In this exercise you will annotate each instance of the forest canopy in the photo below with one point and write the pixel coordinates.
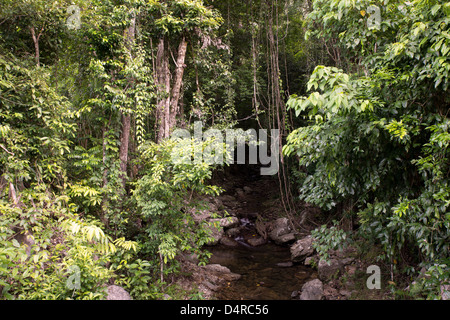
(91, 91)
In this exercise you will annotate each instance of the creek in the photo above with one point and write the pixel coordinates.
(267, 272)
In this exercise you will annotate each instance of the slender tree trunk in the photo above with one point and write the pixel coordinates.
(12, 194)
(176, 91)
(163, 89)
(124, 143)
(126, 118)
(103, 216)
(36, 44)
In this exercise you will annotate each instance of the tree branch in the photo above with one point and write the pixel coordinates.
(6, 150)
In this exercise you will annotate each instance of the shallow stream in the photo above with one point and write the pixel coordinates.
(267, 272)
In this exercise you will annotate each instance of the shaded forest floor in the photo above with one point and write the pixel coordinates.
(251, 198)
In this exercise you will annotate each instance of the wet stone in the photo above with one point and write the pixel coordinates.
(287, 264)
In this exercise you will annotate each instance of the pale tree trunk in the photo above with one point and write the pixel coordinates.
(104, 210)
(168, 95)
(124, 142)
(12, 194)
(163, 89)
(36, 44)
(12, 189)
(176, 91)
(126, 118)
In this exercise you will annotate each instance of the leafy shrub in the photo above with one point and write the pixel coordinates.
(167, 197)
(377, 137)
(330, 238)
(63, 247)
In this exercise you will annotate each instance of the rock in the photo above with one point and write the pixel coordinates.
(223, 272)
(228, 222)
(310, 261)
(312, 290)
(217, 228)
(347, 261)
(330, 293)
(227, 198)
(345, 293)
(445, 292)
(212, 207)
(247, 189)
(240, 193)
(201, 216)
(295, 294)
(256, 241)
(285, 238)
(211, 286)
(191, 257)
(228, 242)
(206, 279)
(281, 231)
(217, 268)
(218, 203)
(329, 270)
(216, 234)
(287, 264)
(117, 293)
(342, 253)
(233, 232)
(302, 249)
(350, 270)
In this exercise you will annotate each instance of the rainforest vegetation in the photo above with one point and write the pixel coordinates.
(91, 90)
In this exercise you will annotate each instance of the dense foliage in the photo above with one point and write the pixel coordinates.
(87, 199)
(90, 91)
(377, 141)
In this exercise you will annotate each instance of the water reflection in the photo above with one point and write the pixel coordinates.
(266, 272)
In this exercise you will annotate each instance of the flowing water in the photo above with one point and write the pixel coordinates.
(266, 272)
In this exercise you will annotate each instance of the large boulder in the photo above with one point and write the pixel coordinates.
(216, 233)
(228, 222)
(312, 290)
(201, 216)
(302, 249)
(281, 231)
(221, 272)
(218, 226)
(254, 242)
(329, 270)
(117, 293)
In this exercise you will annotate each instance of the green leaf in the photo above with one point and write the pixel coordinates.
(15, 243)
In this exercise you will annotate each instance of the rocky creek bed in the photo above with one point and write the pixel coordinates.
(258, 255)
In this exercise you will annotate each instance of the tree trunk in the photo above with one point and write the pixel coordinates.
(12, 194)
(124, 142)
(104, 211)
(129, 35)
(163, 90)
(179, 71)
(36, 44)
